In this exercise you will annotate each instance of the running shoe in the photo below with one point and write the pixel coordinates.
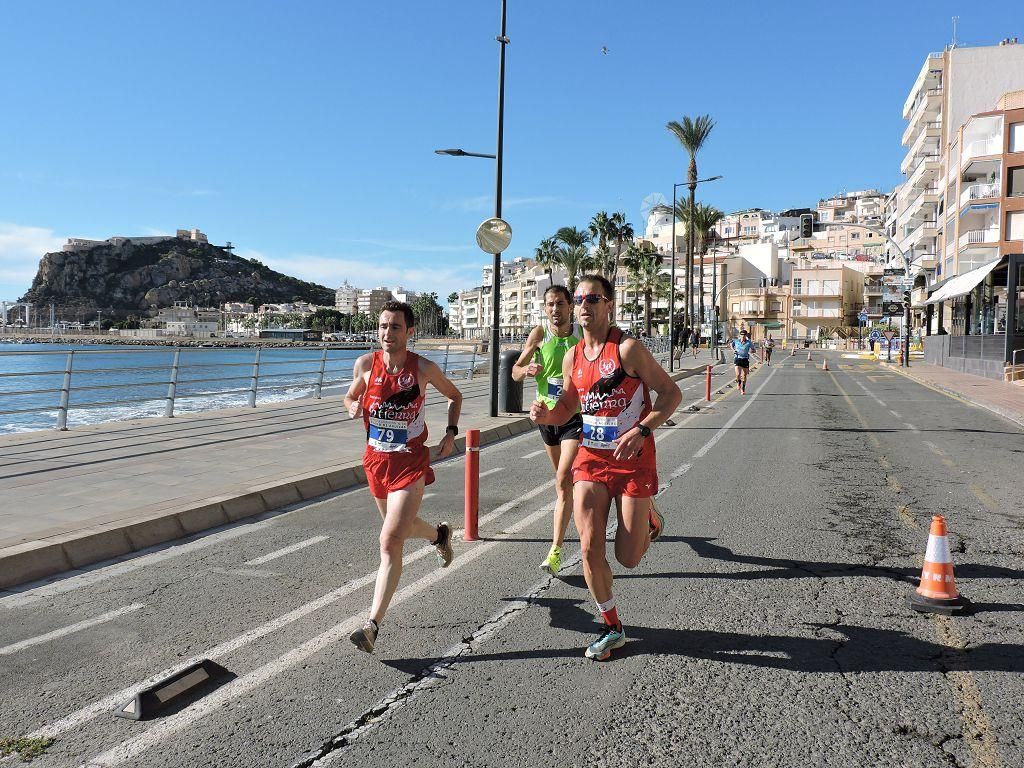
(610, 639)
(657, 521)
(553, 562)
(365, 637)
(443, 543)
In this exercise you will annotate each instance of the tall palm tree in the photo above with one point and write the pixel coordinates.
(691, 133)
(701, 221)
(546, 255)
(645, 276)
(573, 254)
(623, 232)
(599, 228)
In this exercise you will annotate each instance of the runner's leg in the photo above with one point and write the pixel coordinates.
(590, 511)
(633, 536)
(563, 481)
(401, 522)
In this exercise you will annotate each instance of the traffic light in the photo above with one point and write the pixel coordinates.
(906, 299)
(806, 225)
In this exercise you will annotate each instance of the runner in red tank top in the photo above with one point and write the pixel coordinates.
(388, 389)
(611, 378)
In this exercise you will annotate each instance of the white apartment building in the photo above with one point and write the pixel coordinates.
(346, 298)
(952, 213)
(521, 290)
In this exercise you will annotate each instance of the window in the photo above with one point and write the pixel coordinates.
(798, 285)
(1015, 224)
(1017, 137)
(1016, 188)
(855, 236)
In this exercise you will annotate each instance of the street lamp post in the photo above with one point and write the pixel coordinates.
(496, 263)
(672, 288)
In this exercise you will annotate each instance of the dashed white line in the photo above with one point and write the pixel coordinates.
(109, 616)
(492, 471)
(286, 550)
(894, 413)
(531, 454)
(735, 417)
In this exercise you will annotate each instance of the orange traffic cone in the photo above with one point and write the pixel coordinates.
(937, 593)
(824, 365)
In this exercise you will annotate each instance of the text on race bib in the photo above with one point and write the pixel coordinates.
(388, 435)
(600, 431)
(555, 387)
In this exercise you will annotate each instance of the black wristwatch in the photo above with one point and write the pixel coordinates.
(645, 431)
(453, 429)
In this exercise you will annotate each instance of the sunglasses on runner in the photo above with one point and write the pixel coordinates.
(590, 298)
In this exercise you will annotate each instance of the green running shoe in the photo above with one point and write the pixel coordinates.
(553, 562)
(610, 639)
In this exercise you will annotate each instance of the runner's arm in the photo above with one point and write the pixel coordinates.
(436, 378)
(638, 361)
(354, 396)
(525, 366)
(567, 404)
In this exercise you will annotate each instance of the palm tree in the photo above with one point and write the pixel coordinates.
(645, 277)
(600, 228)
(701, 221)
(546, 255)
(573, 254)
(692, 133)
(604, 262)
(622, 231)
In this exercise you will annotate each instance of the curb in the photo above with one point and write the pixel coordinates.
(34, 560)
(1016, 418)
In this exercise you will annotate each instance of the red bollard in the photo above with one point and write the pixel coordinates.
(472, 513)
(707, 384)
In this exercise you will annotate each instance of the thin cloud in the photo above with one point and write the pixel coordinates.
(410, 245)
(21, 249)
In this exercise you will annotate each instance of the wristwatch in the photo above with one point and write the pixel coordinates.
(453, 429)
(645, 431)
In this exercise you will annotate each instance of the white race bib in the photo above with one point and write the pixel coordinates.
(388, 436)
(555, 387)
(600, 431)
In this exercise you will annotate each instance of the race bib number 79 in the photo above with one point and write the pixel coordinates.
(388, 436)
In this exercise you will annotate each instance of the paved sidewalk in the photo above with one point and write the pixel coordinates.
(95, 493)
(1002, 398)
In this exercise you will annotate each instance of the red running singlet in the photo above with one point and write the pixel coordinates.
(396, 453)
(612, 403)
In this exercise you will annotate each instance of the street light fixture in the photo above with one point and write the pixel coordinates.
(497, 157)
(672, 289)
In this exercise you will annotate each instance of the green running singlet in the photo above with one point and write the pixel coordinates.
(549, 354)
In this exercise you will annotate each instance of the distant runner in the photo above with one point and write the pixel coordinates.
(388, 389)
(609, 377)
(741, 349)
(695, 341)
(542, 358)
(768, 345)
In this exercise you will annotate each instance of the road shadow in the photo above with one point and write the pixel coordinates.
(780, 568)
(849, 649)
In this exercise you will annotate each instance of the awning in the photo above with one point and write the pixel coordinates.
(977, 207)
(963, 284)
(771, 324)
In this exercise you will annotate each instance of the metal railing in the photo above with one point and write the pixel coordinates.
(979, 192)
(975, 236)
(177, 380)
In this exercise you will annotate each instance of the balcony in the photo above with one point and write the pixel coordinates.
(979, 192)
(917, 208)
(923, 174)
(986, 147)
(927, 143)
(926, 230)
(912, 132)
(988, 236)
(928, 104)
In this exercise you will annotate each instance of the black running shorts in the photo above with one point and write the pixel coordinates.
(742, 362)
(553, 435)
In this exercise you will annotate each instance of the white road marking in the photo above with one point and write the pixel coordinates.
(911, 427)
(286, 550)
(429, 495)
(109, 616)
(129, 750)
(492, 471)
(531, 454)
(894, 413)
(728, 425)
(143, 558)
(871, 394)
(107, 703)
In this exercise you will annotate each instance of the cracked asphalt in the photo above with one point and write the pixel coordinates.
(768, 626)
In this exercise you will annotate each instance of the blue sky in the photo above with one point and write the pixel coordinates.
(304, 132)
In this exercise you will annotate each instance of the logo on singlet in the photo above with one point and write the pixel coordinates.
(406, 380)
(606, 367)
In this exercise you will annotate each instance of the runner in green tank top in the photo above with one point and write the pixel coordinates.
(542, 359)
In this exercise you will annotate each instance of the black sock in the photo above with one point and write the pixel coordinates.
(442, 536)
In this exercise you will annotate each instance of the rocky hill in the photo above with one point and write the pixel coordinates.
(132, 278)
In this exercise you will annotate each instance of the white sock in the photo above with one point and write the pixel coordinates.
(606, 606)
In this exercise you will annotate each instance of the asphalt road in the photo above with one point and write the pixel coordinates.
(769, 626)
